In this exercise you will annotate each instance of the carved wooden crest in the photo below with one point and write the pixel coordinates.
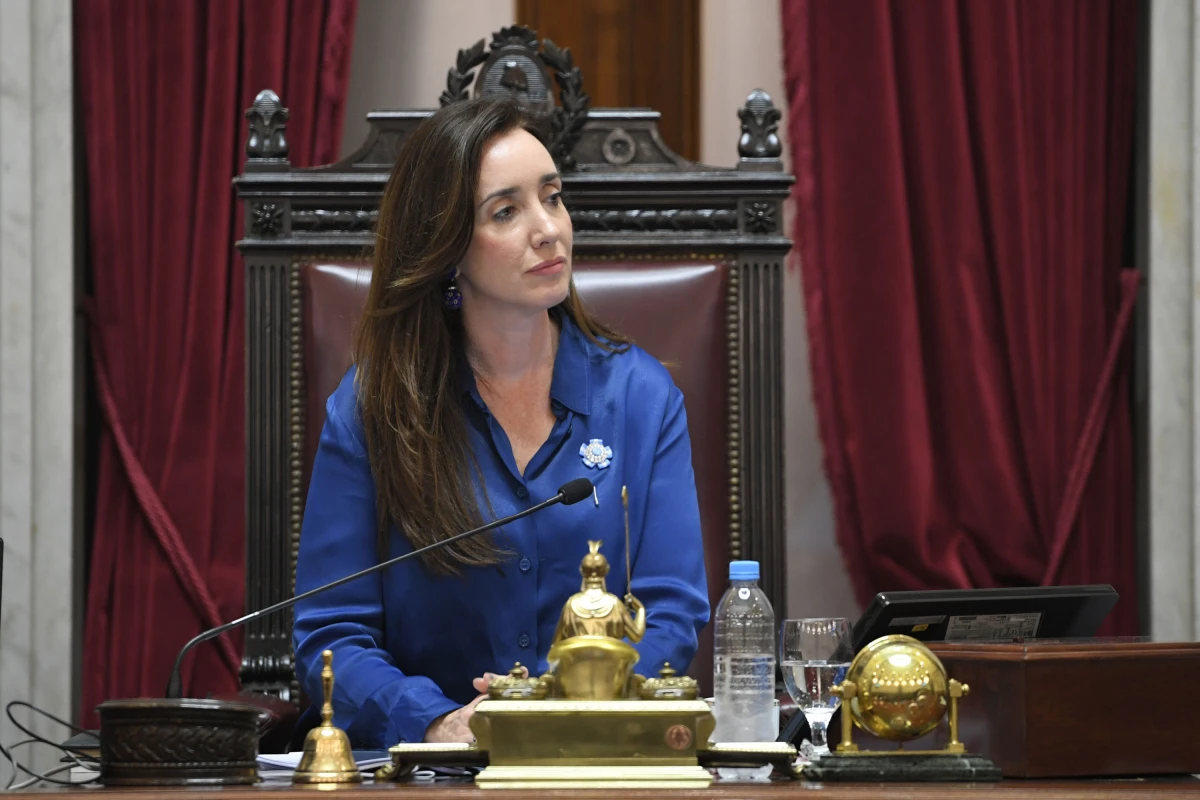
(516, 65)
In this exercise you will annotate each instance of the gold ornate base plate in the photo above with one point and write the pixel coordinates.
(578, 743)
(567, 777)
(567, 744)
(407, 757)
(587, 733)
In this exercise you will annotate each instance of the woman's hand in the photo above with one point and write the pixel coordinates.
(453, 726)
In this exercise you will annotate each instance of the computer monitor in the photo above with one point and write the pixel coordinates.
(991, 615)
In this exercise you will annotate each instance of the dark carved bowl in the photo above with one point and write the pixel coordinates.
(186, 742)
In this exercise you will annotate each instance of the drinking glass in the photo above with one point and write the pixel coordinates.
(814, 655)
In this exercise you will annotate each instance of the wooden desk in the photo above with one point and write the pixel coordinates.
(1049, 710)
(1158, 789)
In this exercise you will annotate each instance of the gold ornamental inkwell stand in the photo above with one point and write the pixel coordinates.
(590, 721)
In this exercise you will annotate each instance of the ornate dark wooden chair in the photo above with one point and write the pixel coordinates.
(685, 258)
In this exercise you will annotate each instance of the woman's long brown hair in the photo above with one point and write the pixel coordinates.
(405, 345)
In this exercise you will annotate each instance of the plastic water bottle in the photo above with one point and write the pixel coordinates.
(744, 666)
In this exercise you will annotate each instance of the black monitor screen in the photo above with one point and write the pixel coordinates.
(993, 615)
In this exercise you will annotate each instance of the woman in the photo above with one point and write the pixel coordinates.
(480, 385)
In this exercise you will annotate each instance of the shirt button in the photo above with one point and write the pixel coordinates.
(522, 493)
(524, 565)
(524, 640)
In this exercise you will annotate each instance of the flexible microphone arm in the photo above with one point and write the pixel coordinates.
(569, 493)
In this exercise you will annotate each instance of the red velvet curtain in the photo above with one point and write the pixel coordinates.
(163, 87)
(962, 192)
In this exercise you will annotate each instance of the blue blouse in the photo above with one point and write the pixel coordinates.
(407, 643)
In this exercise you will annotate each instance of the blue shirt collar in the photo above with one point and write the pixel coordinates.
(570, 384)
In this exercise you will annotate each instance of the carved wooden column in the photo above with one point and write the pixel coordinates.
(760, 523)
(274, 414)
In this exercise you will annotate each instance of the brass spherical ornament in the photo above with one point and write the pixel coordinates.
(901, 688)
(897, 689)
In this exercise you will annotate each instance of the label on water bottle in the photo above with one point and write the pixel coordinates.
(744, 593)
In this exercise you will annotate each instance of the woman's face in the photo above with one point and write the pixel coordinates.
(520, 254)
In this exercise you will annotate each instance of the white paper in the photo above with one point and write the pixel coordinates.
(289, 761)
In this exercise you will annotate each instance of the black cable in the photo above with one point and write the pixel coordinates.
(36, 776)
(32, 781)
(34, 738)
(12, 761)
(47, 714)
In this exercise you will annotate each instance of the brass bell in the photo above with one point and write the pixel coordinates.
(327, 757)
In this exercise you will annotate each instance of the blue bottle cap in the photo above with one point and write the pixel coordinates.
(743, 570)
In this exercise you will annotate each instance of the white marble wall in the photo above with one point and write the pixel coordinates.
(1170, 200)
(403, 49)
(37, 302)
(741, 49)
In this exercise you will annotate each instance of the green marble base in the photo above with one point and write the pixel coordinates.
(901, 766)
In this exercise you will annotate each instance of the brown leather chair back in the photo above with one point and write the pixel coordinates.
(675, 310)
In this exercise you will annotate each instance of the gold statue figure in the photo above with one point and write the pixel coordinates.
(594, 611)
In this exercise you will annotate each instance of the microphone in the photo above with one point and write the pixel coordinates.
(572, 492)
(569, 493)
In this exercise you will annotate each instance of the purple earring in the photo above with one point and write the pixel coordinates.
(452, 297)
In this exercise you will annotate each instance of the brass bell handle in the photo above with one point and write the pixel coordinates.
(327, 687)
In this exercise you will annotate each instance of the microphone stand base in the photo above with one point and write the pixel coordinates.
(179, 742)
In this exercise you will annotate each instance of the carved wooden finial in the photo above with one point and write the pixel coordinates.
(268, 121)
(760, 127)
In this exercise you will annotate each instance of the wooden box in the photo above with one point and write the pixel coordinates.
(1076, 708)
